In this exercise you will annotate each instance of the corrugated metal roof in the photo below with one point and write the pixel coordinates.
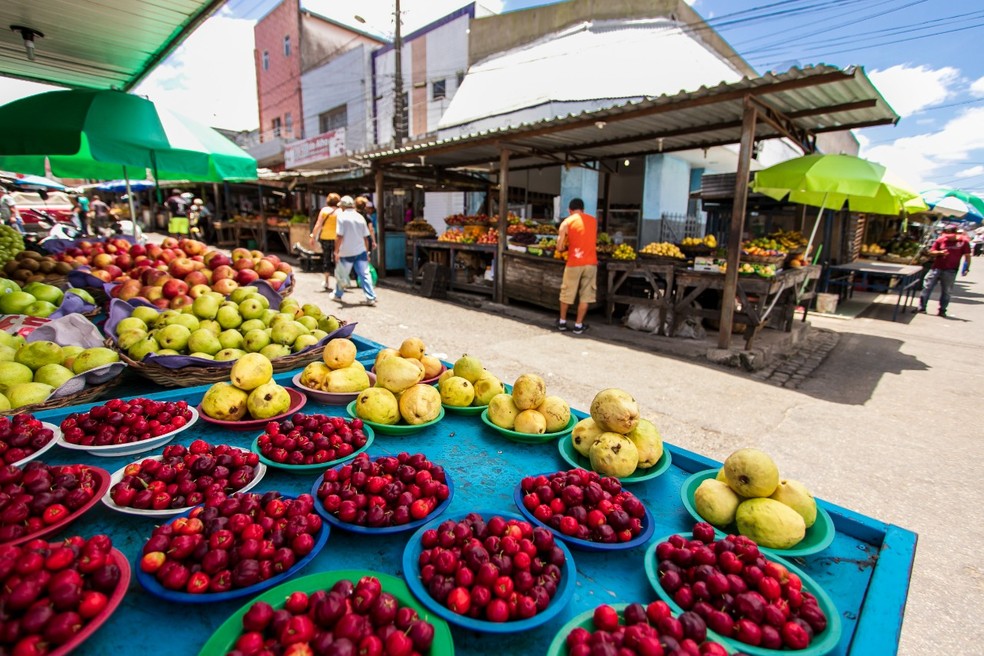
(99, 45)
(816, 99)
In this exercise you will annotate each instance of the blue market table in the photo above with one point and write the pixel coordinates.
(865, 571)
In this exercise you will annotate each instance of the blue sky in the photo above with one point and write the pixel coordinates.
(924, 56)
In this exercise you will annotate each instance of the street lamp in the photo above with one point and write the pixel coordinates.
(399, 110)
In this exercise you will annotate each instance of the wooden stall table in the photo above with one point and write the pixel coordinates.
(657, 275)
(444, 254)
(254, 231)
(282, 232)
(757, 296)
(881, 277)
(537, 279)
(226, 234)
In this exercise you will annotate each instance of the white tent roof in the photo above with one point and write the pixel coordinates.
(585, 67)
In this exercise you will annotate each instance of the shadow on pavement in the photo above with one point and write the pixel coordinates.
(847, 375)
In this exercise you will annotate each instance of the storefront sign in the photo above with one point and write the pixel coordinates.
(316, 149)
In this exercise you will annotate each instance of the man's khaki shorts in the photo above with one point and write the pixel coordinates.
(580, 282)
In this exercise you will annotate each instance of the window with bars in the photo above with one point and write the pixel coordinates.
(276, 126)
(333, 119)
(266, 60)
(288, 125)
(438, 89)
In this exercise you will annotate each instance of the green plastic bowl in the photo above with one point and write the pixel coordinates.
(823, 643)
(575, 459)
(224, 638)
(394, 429)
(528, 438)
(465, 410)
(818, 537)
(317, 466)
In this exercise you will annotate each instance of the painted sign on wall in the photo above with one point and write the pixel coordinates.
(315, 149)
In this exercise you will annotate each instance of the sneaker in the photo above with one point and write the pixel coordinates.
(371, 303)
(578, 329)
(921, 310)
(941, 313)
(561, 325)
(337, 299)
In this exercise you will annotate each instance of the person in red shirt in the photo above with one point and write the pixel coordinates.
(947, 250)
(578, 235)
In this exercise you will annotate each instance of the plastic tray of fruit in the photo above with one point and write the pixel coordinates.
(60, 495)
(818, 537)
(297, 401)
(575, 459)
(281, 449)
(23, 439)
(528, 438)
(549, 500)
(745, 592)
(87, 580)
(381, 481)
(319, 605)
(395, 429)
(120, 426)
(139, 494)
(329, 398)
(480, 604)
(650, 629)
(243, 561)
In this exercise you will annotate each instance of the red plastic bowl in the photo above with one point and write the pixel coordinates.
(115, 600)
(98, 493)
(297, 401)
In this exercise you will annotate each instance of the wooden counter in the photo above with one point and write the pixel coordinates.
(536, 279)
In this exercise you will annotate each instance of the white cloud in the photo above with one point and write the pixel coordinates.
(923, 159)
(972, 172)
(11, 89)
(909, 89)
(210, 77)
(977, 87)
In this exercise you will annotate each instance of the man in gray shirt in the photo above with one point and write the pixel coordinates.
(351, 250)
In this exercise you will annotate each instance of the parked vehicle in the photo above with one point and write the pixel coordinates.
(32, 204)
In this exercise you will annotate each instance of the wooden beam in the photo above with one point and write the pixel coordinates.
(380, 226)
(806, 140)
(500, 261)
(749, 119)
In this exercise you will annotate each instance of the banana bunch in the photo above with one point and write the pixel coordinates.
(624, 252)
(663, 249)
(873, 250)
(790, 240)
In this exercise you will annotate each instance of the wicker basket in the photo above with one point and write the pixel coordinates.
(191, 375)
(289, 289)
(420, 234)
(899, 259)
(696, 250)
(85, 396)
(660, 259)
(763, 259)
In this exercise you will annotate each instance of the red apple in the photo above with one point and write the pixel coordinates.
(276, 284)
(283, 266)
(265, 268)
(102, 260)
(222, 272)
(111, 248)
(154, 251)
(123, 244)
(113, 271)
(124, 261)
(101, 274)
(180, 267)
(240, 253)
(246, 276)
(181, 301)
(169, 242)
(162, 303)
(192, 246)
(279, 275)
(151, 292)
(128, 290)
(225, 286)
(243, 263)
(273, 258)
(138, 249)
(195, 278)
(168, 255)
(217, 259)
(174, 288)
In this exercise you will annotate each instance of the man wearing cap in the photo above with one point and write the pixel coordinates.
(947, 250)
(352, 250)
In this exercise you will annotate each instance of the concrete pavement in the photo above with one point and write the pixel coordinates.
(887, 423)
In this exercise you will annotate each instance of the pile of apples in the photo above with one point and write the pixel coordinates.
(174, 273)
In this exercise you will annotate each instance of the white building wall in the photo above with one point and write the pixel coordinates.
(345, 80)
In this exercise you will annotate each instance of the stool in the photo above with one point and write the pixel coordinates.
(308, 259)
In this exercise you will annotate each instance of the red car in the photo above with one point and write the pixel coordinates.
(57, 205)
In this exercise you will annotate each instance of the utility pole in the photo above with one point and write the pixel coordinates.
(399, 111)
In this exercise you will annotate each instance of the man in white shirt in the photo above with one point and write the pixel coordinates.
(352, 250)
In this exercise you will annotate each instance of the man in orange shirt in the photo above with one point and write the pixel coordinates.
(578, 235)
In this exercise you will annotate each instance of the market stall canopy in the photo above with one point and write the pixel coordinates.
(954, 203)
(99, 134)
(97, 45)
(811, 100)
(26, 181)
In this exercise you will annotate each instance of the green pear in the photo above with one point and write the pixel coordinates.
(328, 324)
(302, 342)
(205, 306)
(285, 332)
(255, 340)
(13, 373)
(268, 316)
(210, 325)
(83, 294)
(37, 354)
(23, 394)
(584, 435)
(240, 294)
(229, 354)
(142, 349)
(251, 324)
(131, 323)
(204, 341)
(6, 353)
(468, 367)
(224, 402)
(772, 524)
(274, 351)
(312, 310)
(795, 495)
(165, 318)
(54, 375)
(486, 387)
(167, 351)
(281, 317)
(251, 371)
(229, 317)
(40, 309)
(71, 352)
(4, 403)
(43, 292)
(128, 338)
(319, 334)
(15, 302)
(251, 308)
(716, 502)
(92, 358)
(231, 338)
(174, 337)
(145, 314)
(457, 392)
(203, 356)
(13, 341)
(308, 322)
(751, 473)
(189, 321)
(378, 405)
(268, 400)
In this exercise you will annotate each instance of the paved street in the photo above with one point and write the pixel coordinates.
(887, 424)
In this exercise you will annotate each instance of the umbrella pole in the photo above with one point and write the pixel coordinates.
(129, 199)
(813, 234)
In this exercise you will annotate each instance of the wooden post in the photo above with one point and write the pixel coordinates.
(608, 204)
(737, 224)
(500, 260)
(380, 226)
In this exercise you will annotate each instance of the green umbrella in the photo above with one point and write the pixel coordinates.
(98, 134)
(830, 181)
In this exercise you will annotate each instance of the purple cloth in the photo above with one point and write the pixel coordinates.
(119, 310)
(72, 304)
(76, 330)
(62, 245)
